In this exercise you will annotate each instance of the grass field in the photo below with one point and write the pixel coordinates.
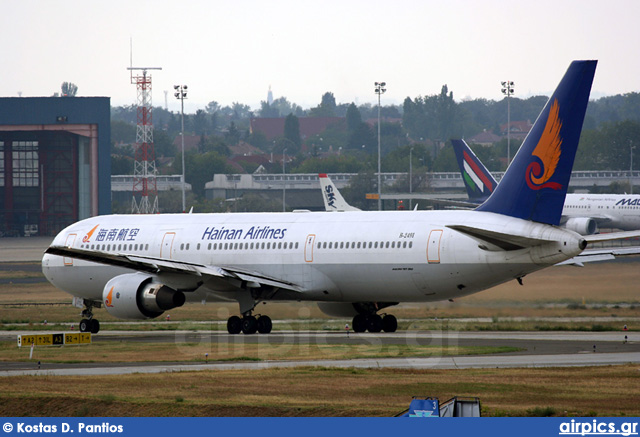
(103, 352)
(592, 391)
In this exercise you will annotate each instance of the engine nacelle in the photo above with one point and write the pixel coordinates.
(582, 225)
(136, 296)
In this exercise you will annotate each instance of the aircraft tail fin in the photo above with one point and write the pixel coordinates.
(333, 200)
(535, 184)
(478, 181)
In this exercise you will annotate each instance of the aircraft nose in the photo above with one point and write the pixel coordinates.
(46, 266)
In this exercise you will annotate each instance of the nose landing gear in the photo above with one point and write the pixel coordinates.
(88, 323)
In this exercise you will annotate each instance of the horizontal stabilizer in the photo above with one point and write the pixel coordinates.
(499, 239)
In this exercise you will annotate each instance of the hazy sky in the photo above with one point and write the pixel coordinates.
(233, 50)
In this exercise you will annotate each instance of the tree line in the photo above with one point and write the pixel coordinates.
(421, 128)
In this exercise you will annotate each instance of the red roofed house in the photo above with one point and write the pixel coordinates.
(274, 127)
(517, 129)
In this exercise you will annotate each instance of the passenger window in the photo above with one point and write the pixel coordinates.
(358, 245)
(342, 245)
(198, 247)
(187, 247)
(393, 244)
(387, 246)
(410, 244)
(226, 246)
(209, 246)
(279, 245)
(296, 245)
(376, 245)
(353, 244)
(269, 245)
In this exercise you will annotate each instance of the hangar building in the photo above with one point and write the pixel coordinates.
(55, 162)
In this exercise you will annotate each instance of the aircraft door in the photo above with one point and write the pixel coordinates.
(308, 248)
(433, 246)
(167, 245)
(71, 239)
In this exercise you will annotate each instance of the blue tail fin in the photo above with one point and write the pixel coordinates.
(477, 179)
(535, 184)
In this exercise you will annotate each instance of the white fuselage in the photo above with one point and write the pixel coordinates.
(620, 211)
(388, 256)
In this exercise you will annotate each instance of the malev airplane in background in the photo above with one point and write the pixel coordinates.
(583, 213)
(353, 263)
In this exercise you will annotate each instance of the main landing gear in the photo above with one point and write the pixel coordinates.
(374, 323)
(249, 324)
(88, 323)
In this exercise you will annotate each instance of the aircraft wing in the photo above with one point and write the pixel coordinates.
(610, 236)
(161, 266)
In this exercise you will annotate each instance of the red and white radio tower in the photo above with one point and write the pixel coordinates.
(145, 191)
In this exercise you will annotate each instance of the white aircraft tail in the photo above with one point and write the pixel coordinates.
(333, 200)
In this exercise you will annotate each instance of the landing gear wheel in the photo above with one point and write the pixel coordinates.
(249, 325)
(264, 324)
(374, 323)
(359, 323)
(234, 325)
(389, 323)
(94, 326)
(84, 325)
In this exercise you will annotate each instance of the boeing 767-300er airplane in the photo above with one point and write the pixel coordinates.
(353, 263)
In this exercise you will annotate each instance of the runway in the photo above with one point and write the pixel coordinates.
(538, 349)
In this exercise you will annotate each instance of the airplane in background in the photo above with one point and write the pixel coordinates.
(582, 213)
(353, 264)
(333, 200)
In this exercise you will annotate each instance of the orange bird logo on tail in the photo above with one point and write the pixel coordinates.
(548, 151)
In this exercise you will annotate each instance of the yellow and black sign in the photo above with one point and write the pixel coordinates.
(54, 339)
(372, 196)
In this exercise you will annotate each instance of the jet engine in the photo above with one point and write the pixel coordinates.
(582, 225)
(137, 296)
